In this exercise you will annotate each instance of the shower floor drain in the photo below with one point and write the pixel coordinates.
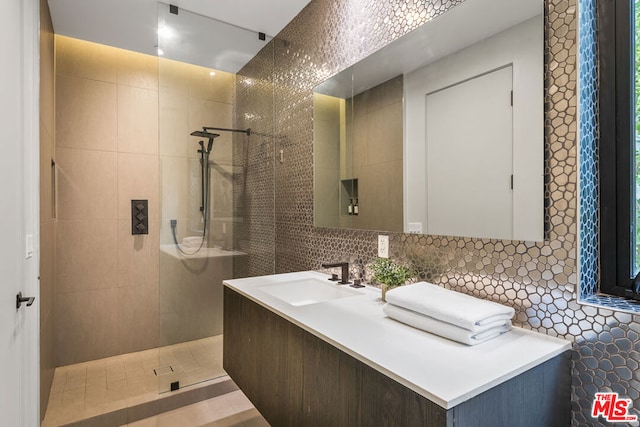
(163, 371)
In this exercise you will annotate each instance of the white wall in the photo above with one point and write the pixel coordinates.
(19, 163)
(521, 46)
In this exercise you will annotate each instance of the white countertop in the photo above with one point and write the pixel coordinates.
(443, 371)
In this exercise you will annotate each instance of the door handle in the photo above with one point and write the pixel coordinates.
(20, 299)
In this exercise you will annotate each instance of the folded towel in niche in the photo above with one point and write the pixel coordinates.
(443, 329)
(449, 306)
(192, 242)
(191, 239)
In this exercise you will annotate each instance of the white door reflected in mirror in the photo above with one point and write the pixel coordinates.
(469, 158)
(459, 157)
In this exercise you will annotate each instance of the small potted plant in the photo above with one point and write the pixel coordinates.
(389, 274)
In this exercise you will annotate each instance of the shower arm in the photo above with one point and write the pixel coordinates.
(247, 131)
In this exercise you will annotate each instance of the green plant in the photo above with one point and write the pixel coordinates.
(387, 272)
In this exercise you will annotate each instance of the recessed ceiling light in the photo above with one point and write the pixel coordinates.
(212, 73)
(165, 32)
(160, 52)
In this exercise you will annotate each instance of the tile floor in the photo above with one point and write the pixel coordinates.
(231, 409)
(92, 388)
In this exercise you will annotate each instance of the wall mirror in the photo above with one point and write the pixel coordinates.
(440, 132)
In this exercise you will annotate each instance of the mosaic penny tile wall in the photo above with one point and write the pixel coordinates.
(253, 158)
(540, 280)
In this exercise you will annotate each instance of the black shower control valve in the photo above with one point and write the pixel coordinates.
(139, 217)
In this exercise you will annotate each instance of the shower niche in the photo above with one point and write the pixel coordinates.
(349, 204)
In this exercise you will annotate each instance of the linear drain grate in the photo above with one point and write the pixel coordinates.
(163, 371)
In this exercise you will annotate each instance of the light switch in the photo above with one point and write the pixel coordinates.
(29, 246)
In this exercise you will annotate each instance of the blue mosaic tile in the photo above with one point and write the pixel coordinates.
(588, 151)
(613, 303)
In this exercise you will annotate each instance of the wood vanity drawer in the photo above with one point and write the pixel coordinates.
(295, 378)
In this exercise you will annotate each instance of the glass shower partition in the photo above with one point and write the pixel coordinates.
(198, 220)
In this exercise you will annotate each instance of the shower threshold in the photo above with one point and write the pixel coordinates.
(129, 387)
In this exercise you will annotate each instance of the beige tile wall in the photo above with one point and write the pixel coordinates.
(372, 154)
(191, 287)
(106, 134)
(376, 157)
(191, 296)
(122, 130)
(190, 98)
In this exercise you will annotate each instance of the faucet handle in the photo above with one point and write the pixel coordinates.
(344, 279)
(357, 283)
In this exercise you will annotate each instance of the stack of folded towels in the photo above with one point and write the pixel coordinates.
(446, 313)
(193, 242)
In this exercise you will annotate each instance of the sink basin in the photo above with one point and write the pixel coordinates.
(308, 291)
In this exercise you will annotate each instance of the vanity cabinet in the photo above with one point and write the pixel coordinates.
(295, 378)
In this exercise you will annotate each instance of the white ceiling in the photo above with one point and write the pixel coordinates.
(132, 25)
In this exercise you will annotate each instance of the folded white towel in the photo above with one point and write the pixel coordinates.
(449, 306)
(192, 242)
(444, 329)
(191, 239)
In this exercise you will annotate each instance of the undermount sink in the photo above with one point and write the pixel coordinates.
(308, 291)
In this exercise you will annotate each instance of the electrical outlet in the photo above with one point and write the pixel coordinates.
(415, 227)
(383, 246)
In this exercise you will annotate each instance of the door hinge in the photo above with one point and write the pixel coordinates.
(512, 181)
(512, 98)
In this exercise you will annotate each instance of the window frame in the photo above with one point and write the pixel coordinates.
(616, 145)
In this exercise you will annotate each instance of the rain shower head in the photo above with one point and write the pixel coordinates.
(205, 134)
(210, 136)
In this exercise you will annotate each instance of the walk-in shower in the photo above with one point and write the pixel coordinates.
(143, 351)
(205, 183)
(197, 250)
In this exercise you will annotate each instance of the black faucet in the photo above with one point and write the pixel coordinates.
(344, 280)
